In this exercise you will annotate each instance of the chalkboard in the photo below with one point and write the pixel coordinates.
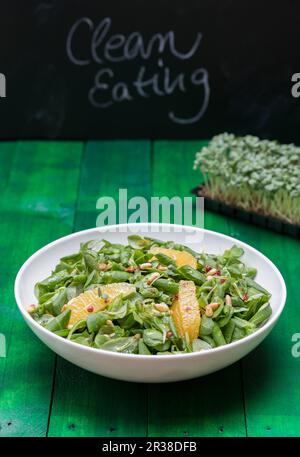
(149, 69)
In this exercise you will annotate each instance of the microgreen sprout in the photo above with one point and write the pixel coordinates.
(253, 174)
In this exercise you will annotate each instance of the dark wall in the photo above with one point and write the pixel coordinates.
(161, 69)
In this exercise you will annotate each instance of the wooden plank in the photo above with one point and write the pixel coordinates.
(7, 154)
(108, 167)
(85, 404)
(271, 374)
(37, 207)
(7, 151)
(212, 405)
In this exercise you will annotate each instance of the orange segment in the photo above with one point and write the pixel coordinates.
(79, 305)
(180, 257)
(185, 311)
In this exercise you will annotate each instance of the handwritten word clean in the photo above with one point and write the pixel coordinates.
(98, 46)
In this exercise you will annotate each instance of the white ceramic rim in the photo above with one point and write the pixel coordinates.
(219, 349)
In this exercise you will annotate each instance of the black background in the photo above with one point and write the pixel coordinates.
(250, 49)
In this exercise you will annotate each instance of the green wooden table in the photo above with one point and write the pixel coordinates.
(49, 189)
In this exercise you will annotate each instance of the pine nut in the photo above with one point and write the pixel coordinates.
(228, 300)
(162, 307)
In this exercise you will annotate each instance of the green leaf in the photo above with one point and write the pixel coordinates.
(101, 339)
(261, 315)
(209, 340)
(247, 326)
(79, 326)
(149, 292)
(51, 283)
(73, 291)
(143, 350)
(206, 326)
(167, 286)
(251, 283)
(228, 330)
(154, 339)
(127, 345)
(219, 310)
(93, 278)
(238, 334)
(95, 320)
(218, 335)
(56, 302)
(165, 259)
(82, 338)
(141, 257)
(191, 274)
(226, 316)
(59, 322)
(63, 332)
(118, 308)
(200, 345)
(43, 319)
(234, 252)
(111, 330)
(127, 322)
(109, 277)
(251, 272)
(138, 242)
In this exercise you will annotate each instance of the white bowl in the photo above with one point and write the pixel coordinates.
(139, 368)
